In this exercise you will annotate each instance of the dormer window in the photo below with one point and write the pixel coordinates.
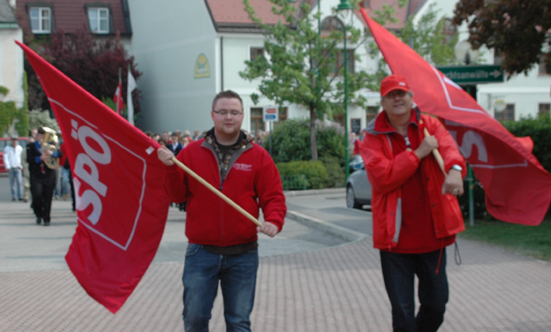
(98, 18)
(41, 19)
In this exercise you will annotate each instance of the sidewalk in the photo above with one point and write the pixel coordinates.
(327, 285)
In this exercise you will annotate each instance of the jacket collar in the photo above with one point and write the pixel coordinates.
(381, 125)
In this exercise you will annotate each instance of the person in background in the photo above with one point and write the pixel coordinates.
(185, 141)
(196, 135)
(66, 176)
(12, 162)
(165, 137)
(415, 212)
(174, 146)
(42, 177)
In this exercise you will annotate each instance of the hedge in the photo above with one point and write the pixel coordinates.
(314, 171)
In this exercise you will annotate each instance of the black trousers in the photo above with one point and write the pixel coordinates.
(399, 271)
(42, 188)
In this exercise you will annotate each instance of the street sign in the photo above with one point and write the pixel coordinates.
(270, 113)
(473, 74)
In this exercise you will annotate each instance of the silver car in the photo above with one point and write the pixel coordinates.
(358, 189)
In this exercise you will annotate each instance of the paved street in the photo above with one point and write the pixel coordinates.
(319, 274)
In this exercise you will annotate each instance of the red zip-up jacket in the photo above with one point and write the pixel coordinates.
(387, 174)
(252, 182)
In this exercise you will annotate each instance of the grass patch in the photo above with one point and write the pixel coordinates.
(533, 241)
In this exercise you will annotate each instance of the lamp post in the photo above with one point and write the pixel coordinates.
(344, 8)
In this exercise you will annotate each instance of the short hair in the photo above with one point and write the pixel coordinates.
(227, 94)
(41, 131)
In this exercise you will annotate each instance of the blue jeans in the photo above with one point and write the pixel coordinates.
(16, 183)
(399, 271)
(237, 276)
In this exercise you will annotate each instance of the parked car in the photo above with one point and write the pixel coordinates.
(355, 163)
(358, 189)
(5, 141)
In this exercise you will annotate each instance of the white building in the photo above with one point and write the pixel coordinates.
(191, 50)
(11, 55)
(523, 95)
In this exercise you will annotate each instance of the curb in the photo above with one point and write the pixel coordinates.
(339, 231)
(315, 192)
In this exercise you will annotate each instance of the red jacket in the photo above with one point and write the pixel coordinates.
(387, 173)
(252, 182)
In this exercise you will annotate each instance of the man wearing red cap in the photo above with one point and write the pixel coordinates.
(415, 211)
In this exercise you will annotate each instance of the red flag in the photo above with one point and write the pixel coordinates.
(118, 98)
(120, 199)
(516, 185)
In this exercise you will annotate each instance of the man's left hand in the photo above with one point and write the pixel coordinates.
(268, 228)
(453, 183)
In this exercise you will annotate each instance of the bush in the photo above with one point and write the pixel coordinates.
(334, 172)
(314, 171)
(290, 141)
(539, 129)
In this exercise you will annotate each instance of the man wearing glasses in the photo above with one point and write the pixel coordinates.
(415, 211)
(223, 243)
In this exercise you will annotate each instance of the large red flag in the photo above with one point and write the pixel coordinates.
(517, 187)
(120, 200)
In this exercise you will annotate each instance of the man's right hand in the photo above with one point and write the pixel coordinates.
(165, 155)
(429, 143)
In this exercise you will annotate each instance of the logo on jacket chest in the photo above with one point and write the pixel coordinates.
(243, 167)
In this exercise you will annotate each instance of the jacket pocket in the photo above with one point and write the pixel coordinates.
(192, 249)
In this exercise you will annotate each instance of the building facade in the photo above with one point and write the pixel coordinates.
(190, 51)
(11, 55)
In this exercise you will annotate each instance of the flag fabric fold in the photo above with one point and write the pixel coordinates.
(131, 87)
(517, 187)
(121, 203)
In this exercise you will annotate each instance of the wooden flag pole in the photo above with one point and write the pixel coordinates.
(216, 191)
(436, 153)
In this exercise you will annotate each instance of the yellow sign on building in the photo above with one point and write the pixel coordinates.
(202, 68)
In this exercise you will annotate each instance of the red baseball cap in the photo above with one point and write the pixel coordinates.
(394, 82)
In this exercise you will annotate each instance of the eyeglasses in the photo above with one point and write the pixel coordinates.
(395, 93)
(225, 112)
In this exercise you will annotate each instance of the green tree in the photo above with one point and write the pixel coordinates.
(91, 63)
(294, 71)
(428, 38)
(519, 30)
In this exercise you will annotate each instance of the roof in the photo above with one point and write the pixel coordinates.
(70, 15)
(7, 16)
(230, 15)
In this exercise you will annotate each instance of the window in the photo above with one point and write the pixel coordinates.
(350, 61)
(99, 20)
(339, 118)
(544, 109)
(506, 115)
(257, 122)
(256, 52)
(449, 31)
(331, 24)
(41, 19)
(498, 58)
(543, 65)
(371, 113)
